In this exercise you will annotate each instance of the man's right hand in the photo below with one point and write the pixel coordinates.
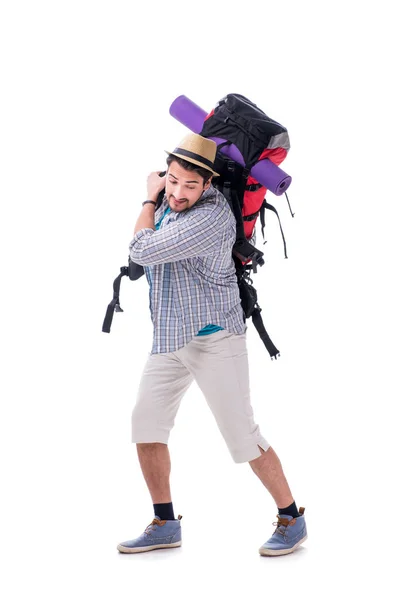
(155, 184)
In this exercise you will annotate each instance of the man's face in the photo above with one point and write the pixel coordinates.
(183, 188)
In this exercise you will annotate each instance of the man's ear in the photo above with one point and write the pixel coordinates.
(207, 184)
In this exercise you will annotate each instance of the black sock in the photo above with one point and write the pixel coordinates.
(289, 510)
(164, 511)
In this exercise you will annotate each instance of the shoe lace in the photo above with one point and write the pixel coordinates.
(151, 527)
(281, 526)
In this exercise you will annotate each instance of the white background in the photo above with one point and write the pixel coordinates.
(86, 89)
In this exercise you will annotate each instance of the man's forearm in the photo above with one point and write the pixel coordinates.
(146, 218)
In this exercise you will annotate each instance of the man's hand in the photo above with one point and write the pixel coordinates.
(155, 184)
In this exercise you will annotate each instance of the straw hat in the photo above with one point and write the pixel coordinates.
(197, 150)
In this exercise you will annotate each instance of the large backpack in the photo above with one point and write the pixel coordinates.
(239, 122)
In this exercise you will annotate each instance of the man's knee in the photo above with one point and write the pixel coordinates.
(149, 445)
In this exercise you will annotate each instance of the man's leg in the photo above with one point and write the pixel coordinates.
(155, 463)
(163, 384)
(219, 363)
(164, 531)
(291, 530)
(227, 390)
(269, 470)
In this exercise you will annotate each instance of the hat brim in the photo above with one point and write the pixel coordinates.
(193, 161)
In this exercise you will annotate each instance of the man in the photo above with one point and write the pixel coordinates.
(186, 249)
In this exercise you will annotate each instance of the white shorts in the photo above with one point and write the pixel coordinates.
(219, 364)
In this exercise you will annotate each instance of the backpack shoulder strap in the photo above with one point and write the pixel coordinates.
(251, 308)
(133, 271)
(259, 325)
(114, 304)
(231, 183)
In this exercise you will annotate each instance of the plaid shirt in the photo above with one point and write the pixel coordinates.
(189, 266)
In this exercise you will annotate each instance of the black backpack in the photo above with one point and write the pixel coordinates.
(242, 123)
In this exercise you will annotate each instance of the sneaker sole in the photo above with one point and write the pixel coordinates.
(126, 550)
(267, 552)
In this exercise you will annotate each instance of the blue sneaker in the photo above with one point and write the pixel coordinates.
(159, 534)
(289, 534)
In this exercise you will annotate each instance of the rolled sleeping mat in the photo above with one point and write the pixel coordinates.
(265, 171)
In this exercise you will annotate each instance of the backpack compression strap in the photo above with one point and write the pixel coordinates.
(253, 187)
(114, 304)
(262, 219)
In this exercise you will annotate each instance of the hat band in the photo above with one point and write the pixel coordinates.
(189, 154)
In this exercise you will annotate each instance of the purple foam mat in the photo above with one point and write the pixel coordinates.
(265, 171)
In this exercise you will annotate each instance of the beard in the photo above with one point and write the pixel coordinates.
(179, 205)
